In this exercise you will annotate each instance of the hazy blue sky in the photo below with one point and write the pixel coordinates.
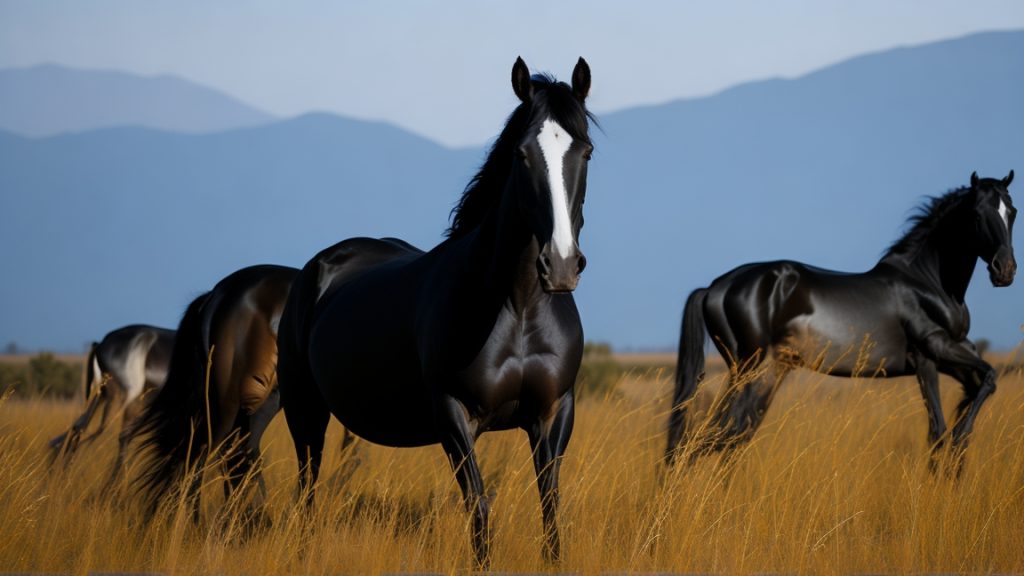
(441, 68)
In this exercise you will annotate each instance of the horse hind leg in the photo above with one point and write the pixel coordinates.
(114, 397)
(723, 336)
(742, 412)
(128, 419)
(306, 414)
(65, 445)
(250, 489)
(351, 458)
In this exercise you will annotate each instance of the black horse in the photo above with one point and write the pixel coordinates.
(481, 333)
(221, 391)
(121, 372)
(904, 316)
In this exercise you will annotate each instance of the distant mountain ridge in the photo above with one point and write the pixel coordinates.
(126, 224)
(823, 168)
(50, 99)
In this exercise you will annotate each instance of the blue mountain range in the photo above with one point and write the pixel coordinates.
(51, 99)
(127, 223)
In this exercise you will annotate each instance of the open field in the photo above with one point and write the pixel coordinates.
(836, 480)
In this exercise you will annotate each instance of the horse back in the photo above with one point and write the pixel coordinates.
(844, 323)
(350, 258)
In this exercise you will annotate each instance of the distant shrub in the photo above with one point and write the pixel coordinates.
(599, 372)
(983, 345)
(43, 375)
(13, 376)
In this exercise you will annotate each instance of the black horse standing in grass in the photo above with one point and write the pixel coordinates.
(411, 348)
(121, 372)
(904, 316)
(230, 334)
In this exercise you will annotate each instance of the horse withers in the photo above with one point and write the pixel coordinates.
(412, 348)
(909, 310)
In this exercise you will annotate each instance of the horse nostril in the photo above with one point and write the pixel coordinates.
(545, 264)
(581, 263)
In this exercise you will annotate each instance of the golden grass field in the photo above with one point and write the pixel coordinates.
(836, 480)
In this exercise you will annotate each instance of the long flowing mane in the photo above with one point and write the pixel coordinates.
(484, 189)
(925, 222)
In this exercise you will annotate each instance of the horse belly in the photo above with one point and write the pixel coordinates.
(385, 413)
(370, 378)
(846, 345)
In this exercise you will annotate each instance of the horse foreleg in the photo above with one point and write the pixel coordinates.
(548, 439)
(977, 377)
(928, 380)
(977, 388)
(458, 440)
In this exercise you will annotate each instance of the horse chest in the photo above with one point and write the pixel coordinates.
(960, 321)
(948, 314)
(519, 371)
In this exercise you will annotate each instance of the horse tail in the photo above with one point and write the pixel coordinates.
(173, 426)
(93, 372)
(689, 368)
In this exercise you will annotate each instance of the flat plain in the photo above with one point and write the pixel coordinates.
(836, 480)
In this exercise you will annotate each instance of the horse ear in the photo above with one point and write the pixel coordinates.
(974, 179)
(1008, 179)
(521, 80)
(581, 79)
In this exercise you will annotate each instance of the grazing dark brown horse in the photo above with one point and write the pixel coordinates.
(121, 372)
(412, 348)
(904, 316)
(231, 332)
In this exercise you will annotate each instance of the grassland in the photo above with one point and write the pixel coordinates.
(836, 480)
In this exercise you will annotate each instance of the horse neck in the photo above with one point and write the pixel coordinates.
(945, 261)
(503, 247)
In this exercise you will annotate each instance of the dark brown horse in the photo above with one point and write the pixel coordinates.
(121, 372)
(230, 333)
(904, 316)
(412, 348)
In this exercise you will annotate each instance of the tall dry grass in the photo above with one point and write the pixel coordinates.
(835, 480)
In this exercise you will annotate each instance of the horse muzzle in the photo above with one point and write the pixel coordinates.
(560, 274)
(1002, 268)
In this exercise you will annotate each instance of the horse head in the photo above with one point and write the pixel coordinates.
(549, 171)
(994, 216)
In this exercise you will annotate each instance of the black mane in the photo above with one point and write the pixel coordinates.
(484, 189)
(930, 215)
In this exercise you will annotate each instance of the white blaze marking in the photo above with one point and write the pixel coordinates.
(554, 142)
(1003, 213)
